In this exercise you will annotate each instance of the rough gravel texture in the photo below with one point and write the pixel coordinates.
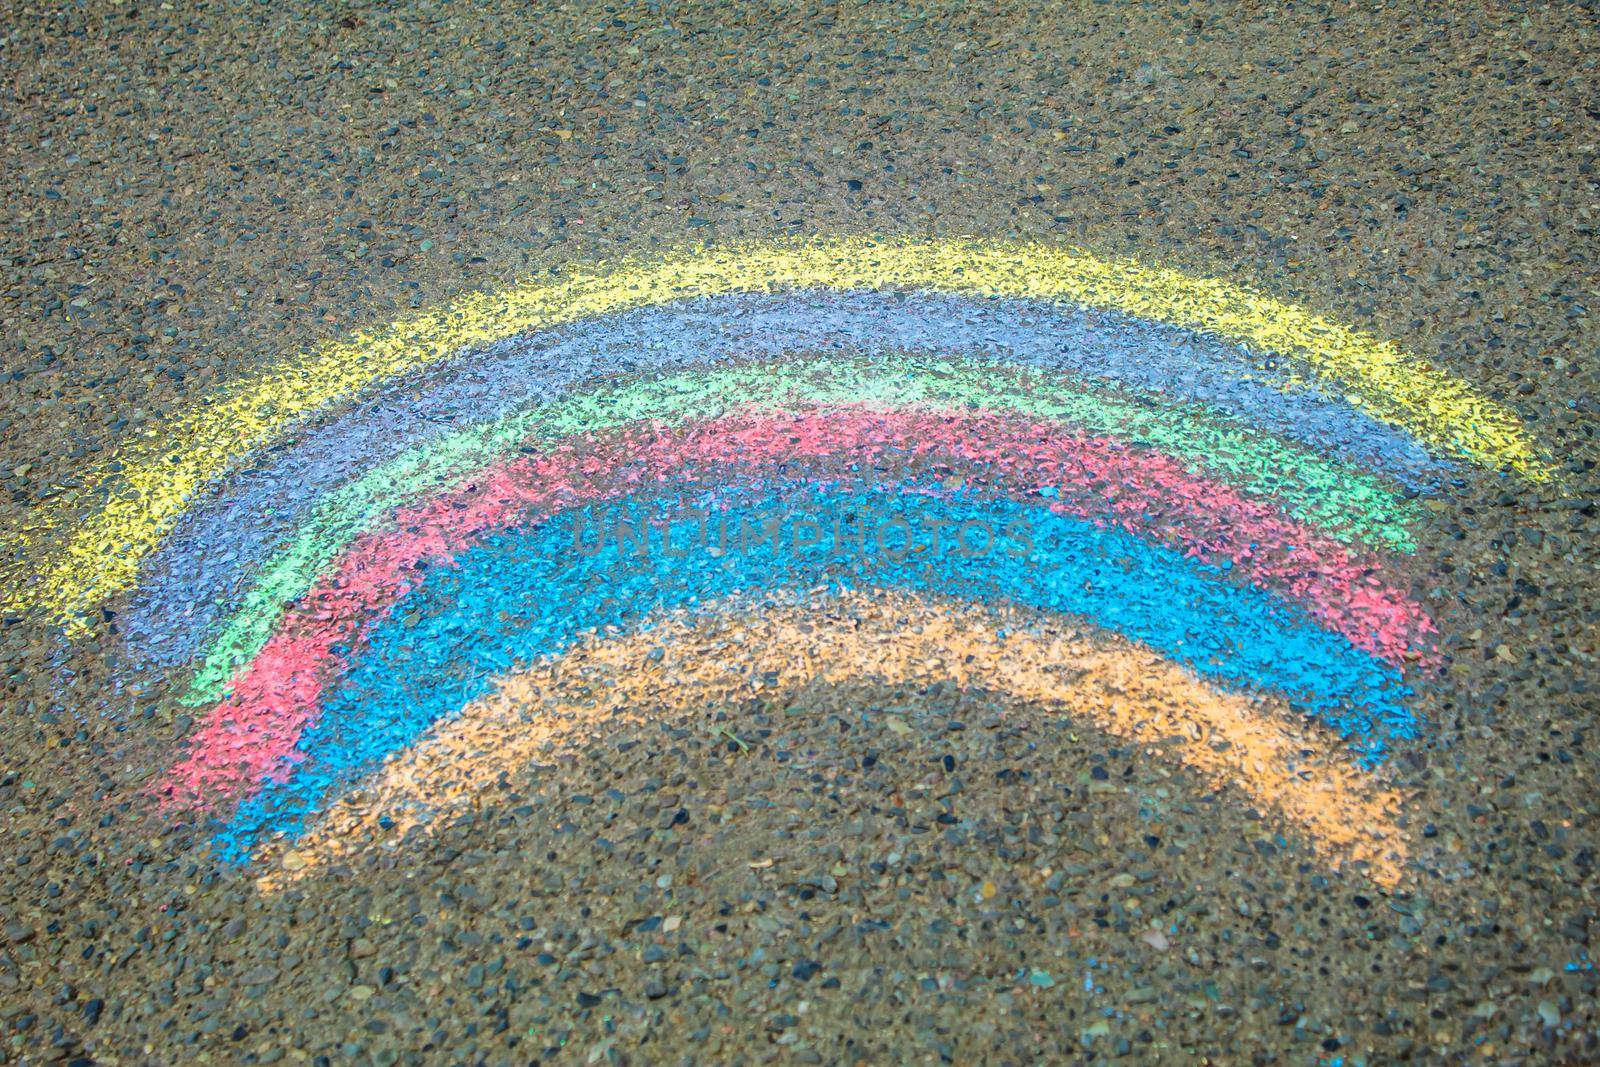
(859, 873)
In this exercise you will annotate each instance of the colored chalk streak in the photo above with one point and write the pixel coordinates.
(151, 483)
(526, 593)
(236, 525)
(679, 667)
(1140, 491)
(1345, 503)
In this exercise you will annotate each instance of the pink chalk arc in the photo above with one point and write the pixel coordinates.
(253, 735)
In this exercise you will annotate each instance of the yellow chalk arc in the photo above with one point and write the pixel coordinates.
(150, 482)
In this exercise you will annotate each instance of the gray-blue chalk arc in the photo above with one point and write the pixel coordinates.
(195, 573)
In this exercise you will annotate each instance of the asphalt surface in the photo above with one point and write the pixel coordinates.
(827, 869)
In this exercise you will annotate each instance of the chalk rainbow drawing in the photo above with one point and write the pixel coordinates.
(1192, 495)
